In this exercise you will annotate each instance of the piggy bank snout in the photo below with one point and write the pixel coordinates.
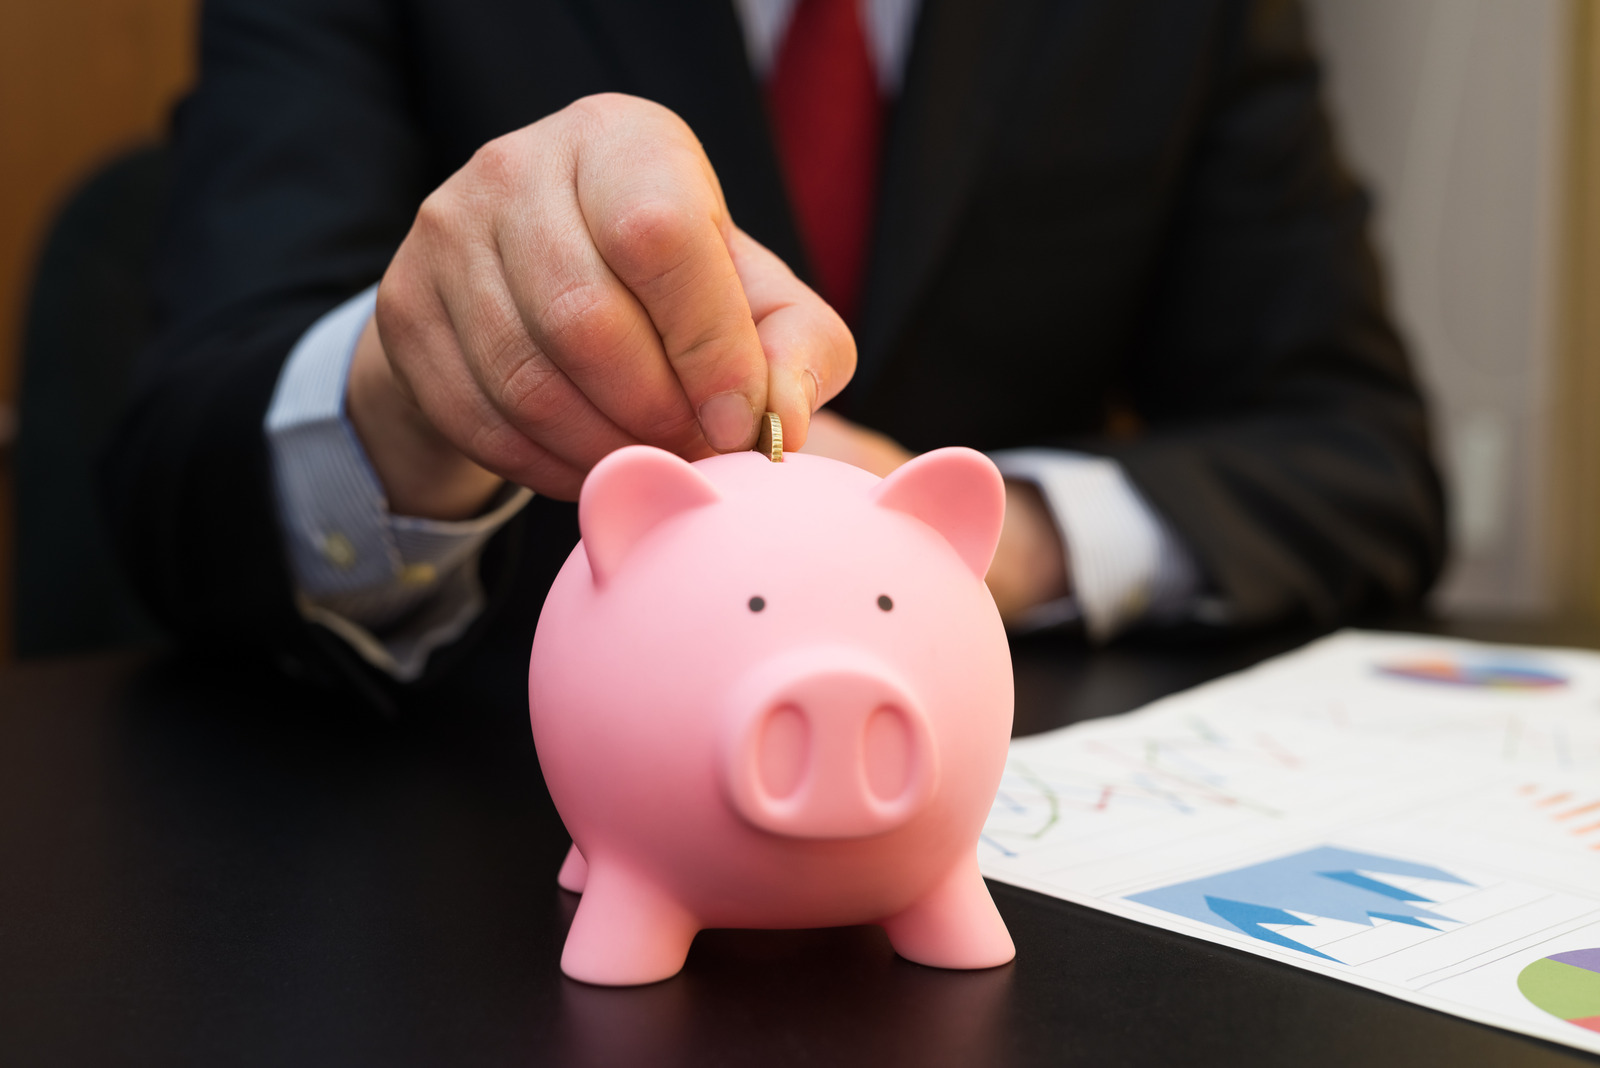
(829, 746)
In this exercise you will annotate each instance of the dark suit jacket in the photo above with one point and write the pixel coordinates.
(1088, 207)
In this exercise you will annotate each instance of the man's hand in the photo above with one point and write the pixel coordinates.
(1030, 564)
(578, 286)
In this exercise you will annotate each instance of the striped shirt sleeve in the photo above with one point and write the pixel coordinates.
(395, 587)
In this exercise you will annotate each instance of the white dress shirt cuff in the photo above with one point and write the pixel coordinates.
(396, 588)
(1127, 565)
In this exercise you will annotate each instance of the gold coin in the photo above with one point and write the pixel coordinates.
(769, 442)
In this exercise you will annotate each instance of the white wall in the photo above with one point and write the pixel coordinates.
(1452, 112)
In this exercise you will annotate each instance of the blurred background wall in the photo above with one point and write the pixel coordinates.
(80, 80)
(1469, 120)
(1473, 120)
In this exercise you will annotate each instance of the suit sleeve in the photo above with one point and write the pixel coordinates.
(1284, 436)
(299, 170)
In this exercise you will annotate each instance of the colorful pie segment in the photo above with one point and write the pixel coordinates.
(1482, 676)
(1566, 985)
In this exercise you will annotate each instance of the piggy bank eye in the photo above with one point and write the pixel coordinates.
(757, 603)
(884, 602)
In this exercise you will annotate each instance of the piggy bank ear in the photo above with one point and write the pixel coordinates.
(627, 495)
(959, 493)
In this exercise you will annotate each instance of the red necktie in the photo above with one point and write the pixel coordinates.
(828, 118)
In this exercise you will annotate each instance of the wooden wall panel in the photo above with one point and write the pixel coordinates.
(1575, 426)
(79, 79)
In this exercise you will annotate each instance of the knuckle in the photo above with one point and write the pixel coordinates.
(584, 324)
(497, 163)
(584, 119)
(394, 299)
(672, 427)
(501, 446)
(401, 304)
(718, 358)
(609, 107)
(503, 343)
(512, 366)
(715, 341)
(440, 218)
(652, 238)
(600, 106)
(526, 387)
(513, 374)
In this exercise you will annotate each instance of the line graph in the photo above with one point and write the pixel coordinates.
(1186, 772)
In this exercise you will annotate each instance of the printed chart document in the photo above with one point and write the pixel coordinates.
(1416, 815)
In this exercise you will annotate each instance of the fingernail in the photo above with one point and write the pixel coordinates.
(808, 382)
(727, 421)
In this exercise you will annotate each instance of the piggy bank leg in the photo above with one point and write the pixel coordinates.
(626, 931)
(574, 871)
(955, 925)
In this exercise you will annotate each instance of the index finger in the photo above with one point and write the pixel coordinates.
(659, 221)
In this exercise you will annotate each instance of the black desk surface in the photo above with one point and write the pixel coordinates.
(200, 865)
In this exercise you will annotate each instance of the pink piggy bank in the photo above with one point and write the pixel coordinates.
(775, 695)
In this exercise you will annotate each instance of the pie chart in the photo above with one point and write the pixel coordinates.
(1566, 985)
(1479, 676)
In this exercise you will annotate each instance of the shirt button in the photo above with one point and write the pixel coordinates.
(418, 574)
(338, 550)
